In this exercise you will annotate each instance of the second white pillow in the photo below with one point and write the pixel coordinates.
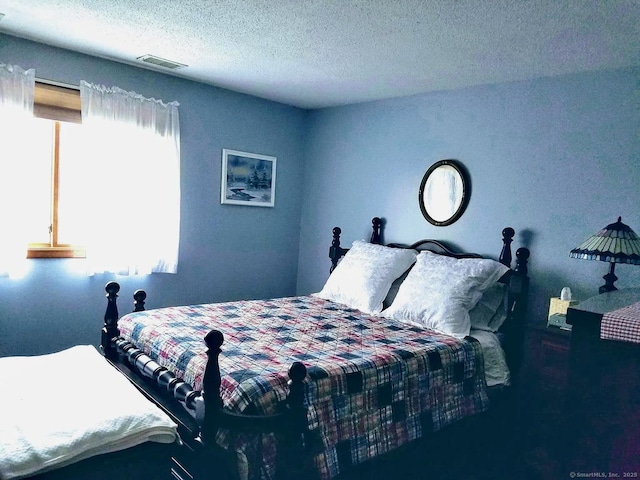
(440, 291)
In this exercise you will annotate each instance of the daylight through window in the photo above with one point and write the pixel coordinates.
(54, 159)
(106, 189)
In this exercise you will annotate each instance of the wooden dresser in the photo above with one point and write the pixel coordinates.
(602, 409)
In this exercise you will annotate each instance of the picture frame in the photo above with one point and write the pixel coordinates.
(248, 179)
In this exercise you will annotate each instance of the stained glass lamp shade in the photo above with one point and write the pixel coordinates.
(615, 243)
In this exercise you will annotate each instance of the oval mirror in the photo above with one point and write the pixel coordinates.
(444, 192)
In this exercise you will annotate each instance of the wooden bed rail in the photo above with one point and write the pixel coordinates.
(336, 251)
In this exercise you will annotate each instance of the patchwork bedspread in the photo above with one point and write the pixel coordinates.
(373, 384)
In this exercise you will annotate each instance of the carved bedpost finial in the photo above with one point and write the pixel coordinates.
(522, 257)
(335, 252)
(110, 327)
(112, 289)
(376, 224)
(336, 236)
(507, 238)
(139, 296)
(211, 382)
(214, 340)
(297, 374)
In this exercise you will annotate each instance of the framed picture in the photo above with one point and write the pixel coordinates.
(248, 179)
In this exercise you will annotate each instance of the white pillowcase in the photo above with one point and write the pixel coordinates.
(440, 291)
(496, 370)
(489, 314)
(364, 275)
(498, 318)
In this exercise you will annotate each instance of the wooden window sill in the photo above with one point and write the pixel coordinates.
(56, 252)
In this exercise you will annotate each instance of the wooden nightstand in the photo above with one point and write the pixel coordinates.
(542, 388)
(546, 360)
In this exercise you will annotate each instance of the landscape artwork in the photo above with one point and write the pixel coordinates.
(248, 179)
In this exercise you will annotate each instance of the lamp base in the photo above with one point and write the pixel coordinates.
(609, 279)
(607, 288)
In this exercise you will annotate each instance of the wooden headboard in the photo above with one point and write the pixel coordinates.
(516, 279)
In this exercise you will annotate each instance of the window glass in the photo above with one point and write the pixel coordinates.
(36, 157)
(73, 185)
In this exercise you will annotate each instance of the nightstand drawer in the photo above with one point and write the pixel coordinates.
(547, 358)
(554, 357)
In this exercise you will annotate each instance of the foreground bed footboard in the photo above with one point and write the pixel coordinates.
(290, 424)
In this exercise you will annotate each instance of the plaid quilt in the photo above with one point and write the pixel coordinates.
(373, 384)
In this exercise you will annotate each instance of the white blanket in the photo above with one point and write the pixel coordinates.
(60, 408)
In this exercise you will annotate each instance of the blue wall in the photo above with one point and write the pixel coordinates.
(557, 159)
(227, 252)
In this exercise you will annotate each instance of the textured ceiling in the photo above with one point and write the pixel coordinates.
(318, 53)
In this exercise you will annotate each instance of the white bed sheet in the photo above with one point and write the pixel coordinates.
(495, 362)
(47, 422)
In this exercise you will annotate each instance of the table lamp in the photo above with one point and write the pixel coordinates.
(615, 243)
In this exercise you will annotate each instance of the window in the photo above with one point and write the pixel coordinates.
(106, 189)
(55, 158)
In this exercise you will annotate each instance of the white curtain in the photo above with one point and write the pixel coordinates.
(132, 181)
(17, 88)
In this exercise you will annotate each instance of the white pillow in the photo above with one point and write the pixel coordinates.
(489, 313)
(364, 275)
(440, 291)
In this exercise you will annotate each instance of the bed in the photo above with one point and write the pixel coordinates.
(315, 385)
(56, 428)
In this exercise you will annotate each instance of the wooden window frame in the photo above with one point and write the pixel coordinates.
(60, 104)
(57, 103)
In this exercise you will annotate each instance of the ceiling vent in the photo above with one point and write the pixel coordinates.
(161, 62)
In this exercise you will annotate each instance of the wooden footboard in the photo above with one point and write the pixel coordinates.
(289, 424)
